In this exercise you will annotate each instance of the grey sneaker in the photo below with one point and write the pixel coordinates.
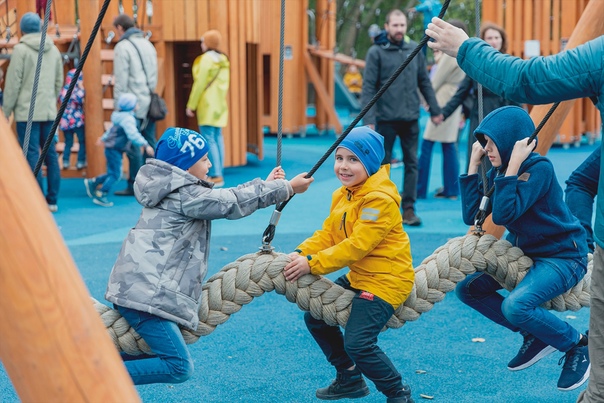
(347, 385)
(409, 217)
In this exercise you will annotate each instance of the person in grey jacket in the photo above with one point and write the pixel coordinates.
(135, 71)
(156, 281)
(396, 113)
(18, 96)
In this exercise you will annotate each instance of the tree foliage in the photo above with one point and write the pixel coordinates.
(354, 17)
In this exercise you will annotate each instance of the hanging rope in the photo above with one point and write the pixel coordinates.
(280, 100)
(72, 85)
(54, 7)
(34, 90)
(269, 232)
(250, 276)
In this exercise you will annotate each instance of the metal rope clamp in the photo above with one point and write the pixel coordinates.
(266, 243)
(484, 202)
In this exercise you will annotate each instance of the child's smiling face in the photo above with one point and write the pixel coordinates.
(348, 168)
(201, 168)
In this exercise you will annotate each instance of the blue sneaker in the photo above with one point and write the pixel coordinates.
(575, 370)
(100, 198)
(532, 350)
(90, 185)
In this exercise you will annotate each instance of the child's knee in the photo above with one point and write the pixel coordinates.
(514, 311)
(182, 372)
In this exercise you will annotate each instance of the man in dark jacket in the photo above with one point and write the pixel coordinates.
(396, 113)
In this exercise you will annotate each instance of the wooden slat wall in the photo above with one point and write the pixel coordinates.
(550, 22)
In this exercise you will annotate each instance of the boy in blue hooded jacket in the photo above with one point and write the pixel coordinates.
(528, 201)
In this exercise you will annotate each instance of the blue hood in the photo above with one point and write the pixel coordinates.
(505, 126)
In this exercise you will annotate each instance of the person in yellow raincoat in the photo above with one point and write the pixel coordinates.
(208, 99)
(364, 232)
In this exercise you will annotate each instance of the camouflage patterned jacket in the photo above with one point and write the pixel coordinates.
(163, 260)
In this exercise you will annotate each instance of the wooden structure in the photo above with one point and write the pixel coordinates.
(54, 346)
(250, 37)
(551, 23)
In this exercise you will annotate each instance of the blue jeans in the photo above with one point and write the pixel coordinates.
(581, 189)
(521, 309)
(39, 133)
(135, 157)
(359, 343)
(68, 134)
(172, 362)
(450, 169)
(114, 170)
(216, 143)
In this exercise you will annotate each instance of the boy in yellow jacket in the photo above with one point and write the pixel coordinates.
(363, 232)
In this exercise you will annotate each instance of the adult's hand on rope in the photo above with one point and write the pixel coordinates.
(300, 183)
(276, 173)
(446, 37)
(296, 268)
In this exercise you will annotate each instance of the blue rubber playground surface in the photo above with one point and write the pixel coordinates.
(264, 353)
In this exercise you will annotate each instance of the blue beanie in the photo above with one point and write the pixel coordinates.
(181, 147)
(30, 23)
(126, 102)
(367, 145)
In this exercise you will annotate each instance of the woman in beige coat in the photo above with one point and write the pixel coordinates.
(445, 81)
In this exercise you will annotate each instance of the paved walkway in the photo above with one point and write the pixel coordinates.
(265, 354)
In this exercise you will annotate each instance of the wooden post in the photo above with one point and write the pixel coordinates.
(93, 107)
(54, 346)
(590, 26)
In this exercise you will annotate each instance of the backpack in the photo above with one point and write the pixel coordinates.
(117, 139)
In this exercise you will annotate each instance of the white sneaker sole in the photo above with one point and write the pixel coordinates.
(581, 382)
(543, 353)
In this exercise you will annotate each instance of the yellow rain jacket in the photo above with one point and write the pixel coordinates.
(208, 96)
(364, 231)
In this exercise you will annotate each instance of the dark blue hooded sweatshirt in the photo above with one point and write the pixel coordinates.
(530, 204)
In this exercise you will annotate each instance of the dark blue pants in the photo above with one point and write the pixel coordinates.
(114, 170)
(135, 157)
(39, 133)
(408, 133)
(358, 345)
(450, 169)
(68, 134)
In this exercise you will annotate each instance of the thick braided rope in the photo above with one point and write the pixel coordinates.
(250, 276)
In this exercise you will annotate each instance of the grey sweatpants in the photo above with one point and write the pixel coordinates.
(595, 388)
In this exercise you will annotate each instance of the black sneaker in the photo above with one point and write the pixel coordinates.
(347, 385)
(532, 350)
(575, 370)
(402, 396)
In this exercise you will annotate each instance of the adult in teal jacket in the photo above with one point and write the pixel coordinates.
(575, 73)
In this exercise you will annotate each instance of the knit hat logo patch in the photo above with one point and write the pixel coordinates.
(181, 147)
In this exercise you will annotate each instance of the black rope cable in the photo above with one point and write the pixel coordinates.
(280, 100)
(72, 85)
(269, 232)
(482, 215)
(34, 89)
